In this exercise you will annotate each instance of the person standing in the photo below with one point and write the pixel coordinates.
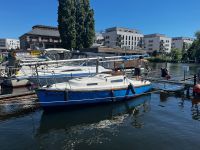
(140, 62)
(165, 73)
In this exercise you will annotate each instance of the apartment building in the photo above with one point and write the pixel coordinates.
(9, 44)
(182, 43)
(123, 38)
(99, 40)
(157, 42)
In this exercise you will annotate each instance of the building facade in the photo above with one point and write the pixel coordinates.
(9, 44)
(157, 42)
(41, 37)
(182, 43)
(123, 38)
(99, 40)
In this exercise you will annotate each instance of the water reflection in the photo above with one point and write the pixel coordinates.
(165, 95)
(91, 125)
(91, 115)
(15, 110)
(196, 108)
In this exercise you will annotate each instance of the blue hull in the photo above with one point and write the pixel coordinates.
(49, 98)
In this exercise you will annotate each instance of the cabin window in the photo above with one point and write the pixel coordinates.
(91, 84)
(119, 80)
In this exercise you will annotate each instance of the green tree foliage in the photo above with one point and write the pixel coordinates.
(76, 23)
(155, 53)
(67, 23)
(80, 24)
(197, 34)
(193, 52)
(89, 24)
(176, 54)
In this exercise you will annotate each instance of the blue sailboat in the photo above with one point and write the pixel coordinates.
(100, 88)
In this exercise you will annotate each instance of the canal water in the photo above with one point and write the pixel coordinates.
(153, 121)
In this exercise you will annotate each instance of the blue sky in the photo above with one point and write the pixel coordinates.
(170, 17)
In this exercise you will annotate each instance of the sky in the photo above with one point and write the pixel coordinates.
(171, 17)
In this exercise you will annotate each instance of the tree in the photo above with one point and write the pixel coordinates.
(155, 53)
(176, 54)
(197, 34)
(76, 23)
(89, 24)
(80, 24)
(67, 23)
(194, 51)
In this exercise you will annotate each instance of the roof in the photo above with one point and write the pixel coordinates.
(44, 31)
(45, 27)
(122, 29)
(183, 38)
(154, 35)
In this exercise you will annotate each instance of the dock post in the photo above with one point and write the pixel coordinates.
(97, 66)
(38, 81)
(188, 91)
(184, 75)
(195, 82)
(195, 79)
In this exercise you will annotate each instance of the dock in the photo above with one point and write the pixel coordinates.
(177, 82)
(13, 105)
(9, 96)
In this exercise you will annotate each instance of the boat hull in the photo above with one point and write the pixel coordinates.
(50, 98)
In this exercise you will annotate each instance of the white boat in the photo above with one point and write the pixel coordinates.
(91, 90)
(49, 75)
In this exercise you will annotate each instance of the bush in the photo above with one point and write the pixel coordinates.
(159, 59)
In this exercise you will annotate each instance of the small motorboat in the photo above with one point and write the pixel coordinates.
(100, 88)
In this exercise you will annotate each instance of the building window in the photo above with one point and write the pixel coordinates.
(150, 41)
(107, 37)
